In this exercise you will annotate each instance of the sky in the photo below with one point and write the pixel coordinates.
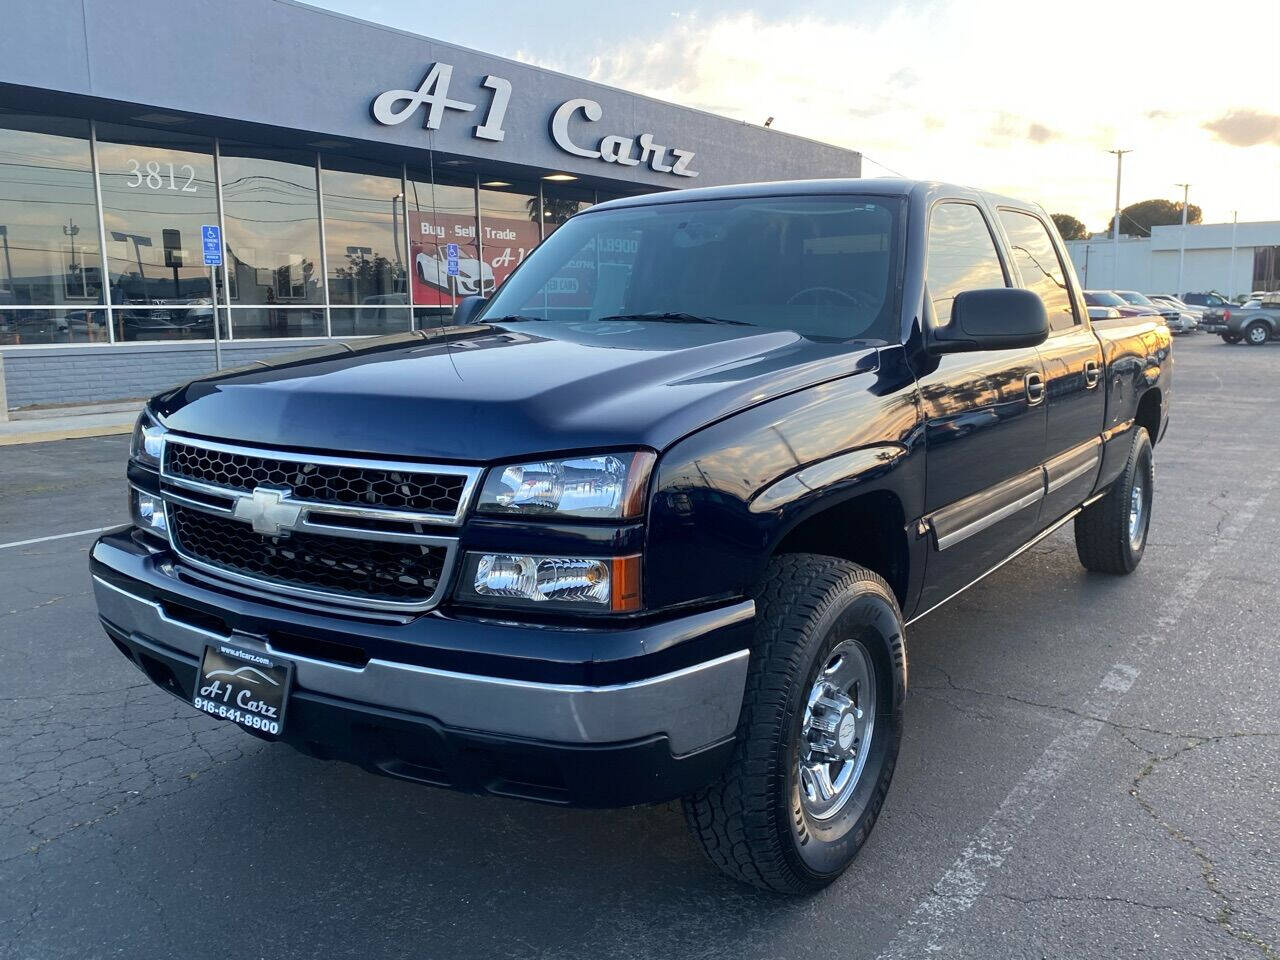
(1023, 98)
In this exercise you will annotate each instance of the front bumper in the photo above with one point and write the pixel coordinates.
(662, 734)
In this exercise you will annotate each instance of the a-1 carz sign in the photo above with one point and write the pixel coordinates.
(393, 107)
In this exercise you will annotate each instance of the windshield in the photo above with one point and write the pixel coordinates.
(821, 266)
(1100, 298)
(1137, 299)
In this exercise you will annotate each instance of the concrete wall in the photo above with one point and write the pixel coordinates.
(94, 374)
(1151, 265)
(1156, 271)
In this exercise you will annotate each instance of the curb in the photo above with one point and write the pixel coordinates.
(75, 433)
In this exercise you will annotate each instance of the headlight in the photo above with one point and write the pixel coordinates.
(147, 445)
(602, 486)
(602, 585)
(147, 511)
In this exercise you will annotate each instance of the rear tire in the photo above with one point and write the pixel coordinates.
(775, 818)
(1230, 338)
(1111, 535)
(1257, 334)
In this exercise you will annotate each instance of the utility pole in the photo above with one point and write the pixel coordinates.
(1115, 229)
(1231, 270)
(1182, 245)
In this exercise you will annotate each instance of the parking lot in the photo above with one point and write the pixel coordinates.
(1091, 768)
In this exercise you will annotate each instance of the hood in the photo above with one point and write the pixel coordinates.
(495, 392)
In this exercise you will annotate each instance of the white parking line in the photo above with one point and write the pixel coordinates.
(57, 536)
(964, 881)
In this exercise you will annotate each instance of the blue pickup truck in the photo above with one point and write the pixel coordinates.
(654, 520)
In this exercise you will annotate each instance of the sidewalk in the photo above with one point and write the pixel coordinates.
(68, 422)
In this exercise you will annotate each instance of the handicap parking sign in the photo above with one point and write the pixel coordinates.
(451, 255)
(211, 241)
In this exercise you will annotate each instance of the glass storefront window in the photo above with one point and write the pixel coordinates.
(31, 325)
(441, 212)
(509, 227)
(364, 232)
(369, 321)
(157, 191)
(273, 322)
(559, 203)
(49, 252)
(272, 226)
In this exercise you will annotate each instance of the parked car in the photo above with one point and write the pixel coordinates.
(1109, 298)
(664, 540)
(1207, 300)
(473, 277)
(1256, 322)
(1187, 319)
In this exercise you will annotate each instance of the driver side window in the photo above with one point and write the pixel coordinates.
(962, 256)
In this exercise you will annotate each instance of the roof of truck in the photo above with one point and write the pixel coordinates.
(873, 186)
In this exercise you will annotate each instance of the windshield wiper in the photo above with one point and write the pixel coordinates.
(510, 318)
(674, 317)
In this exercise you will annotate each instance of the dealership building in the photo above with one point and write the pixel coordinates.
(179, 190)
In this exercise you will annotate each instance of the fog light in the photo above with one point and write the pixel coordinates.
(611, 584)
(148, 513)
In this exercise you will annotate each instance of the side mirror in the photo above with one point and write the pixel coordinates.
(1003, 318)
(467, 309)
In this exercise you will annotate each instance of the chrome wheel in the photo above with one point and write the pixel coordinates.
(835, 734)
(1136, 509)
(1257, 334)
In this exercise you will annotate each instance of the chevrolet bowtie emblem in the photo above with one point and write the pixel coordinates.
(269, 510)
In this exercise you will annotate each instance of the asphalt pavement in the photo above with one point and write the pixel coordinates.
(1091, 768)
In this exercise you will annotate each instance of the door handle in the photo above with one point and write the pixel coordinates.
(1035, 389)
(1092, 374)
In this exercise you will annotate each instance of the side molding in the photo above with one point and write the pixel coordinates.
(962, 519)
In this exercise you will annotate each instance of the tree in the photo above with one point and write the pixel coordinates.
(1137, 219)
(1069, 227)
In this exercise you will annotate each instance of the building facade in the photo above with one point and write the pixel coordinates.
(1227, 258)
(179, 191)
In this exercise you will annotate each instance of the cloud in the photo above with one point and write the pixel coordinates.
(1039, 133)
(939, 112)
(1246, 128)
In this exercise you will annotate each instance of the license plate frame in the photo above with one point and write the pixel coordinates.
(244, 686)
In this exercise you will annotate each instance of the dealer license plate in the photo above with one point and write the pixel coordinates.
(245, 687)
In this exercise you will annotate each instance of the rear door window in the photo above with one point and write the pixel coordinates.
(1041, 267)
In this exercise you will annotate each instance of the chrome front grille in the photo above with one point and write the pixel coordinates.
(357, 570)
(348, 531)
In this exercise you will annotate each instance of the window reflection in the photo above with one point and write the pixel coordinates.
(559, 203)
(31, 325)
(1039, 265)
(509, 226)
(364, 232)
(443, 211)
(48, 225)
(272, 322)
(157, 192)
(962, 256)
(369, 321)
(273, 229)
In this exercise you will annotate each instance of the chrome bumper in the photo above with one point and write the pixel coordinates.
(695, 707)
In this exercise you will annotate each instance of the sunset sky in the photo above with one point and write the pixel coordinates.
(1022, 98)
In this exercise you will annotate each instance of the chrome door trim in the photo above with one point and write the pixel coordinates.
(1021, 550)
(960, 520)
(1074, 463)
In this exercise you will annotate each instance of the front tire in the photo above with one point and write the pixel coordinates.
(1257, 334)
(1111, 535)
(819, 733)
